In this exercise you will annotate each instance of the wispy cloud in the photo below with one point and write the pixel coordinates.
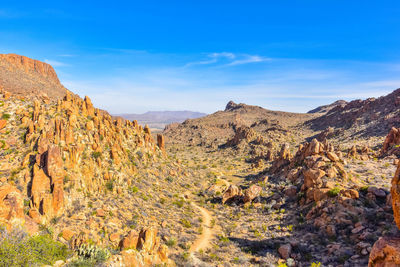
(228, 59)
(55, 63)
(152, 82)
(384, 83)
(67, 55)
(248, 59)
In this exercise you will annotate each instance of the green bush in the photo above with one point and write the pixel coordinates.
(5, 116)
(186, 223)
(18, 249)
(96, 155)
(110, 185)
(134, 189)
(334, 192)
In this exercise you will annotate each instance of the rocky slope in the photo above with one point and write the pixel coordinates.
(69, 166)
(28, 77)
(364, 118)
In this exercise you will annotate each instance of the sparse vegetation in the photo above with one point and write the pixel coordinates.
(18, 249)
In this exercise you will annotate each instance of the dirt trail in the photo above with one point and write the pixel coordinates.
(204, 240)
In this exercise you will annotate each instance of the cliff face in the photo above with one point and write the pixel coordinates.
(29, 77)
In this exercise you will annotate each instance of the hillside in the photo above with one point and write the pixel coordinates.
(284, 197)
(326, 108)
(372, 117)
(219, 127)
(28, 77)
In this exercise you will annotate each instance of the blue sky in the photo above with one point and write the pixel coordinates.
(135, 56)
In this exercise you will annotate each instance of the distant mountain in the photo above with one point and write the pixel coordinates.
(159, 119)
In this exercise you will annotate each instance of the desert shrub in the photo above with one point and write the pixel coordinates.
(334, 192)
(18, 249)
(171, 242)
(96, 155)
(179, 203)
(134, 189)
(186, 223)
(110, 185)
(5, 116)
(90, 255)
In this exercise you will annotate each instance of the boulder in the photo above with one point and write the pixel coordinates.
(251, 193)
(332, 156)
(285, 251)
(232, 192)
(385, 252)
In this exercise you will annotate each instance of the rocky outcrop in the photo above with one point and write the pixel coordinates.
(315, 167)
(141, 249)
(391, 143)
(28, 77)
(47, 187)
(161, 142)
(77, 138)
(395, 193)
(283, 159)
(242, 134)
